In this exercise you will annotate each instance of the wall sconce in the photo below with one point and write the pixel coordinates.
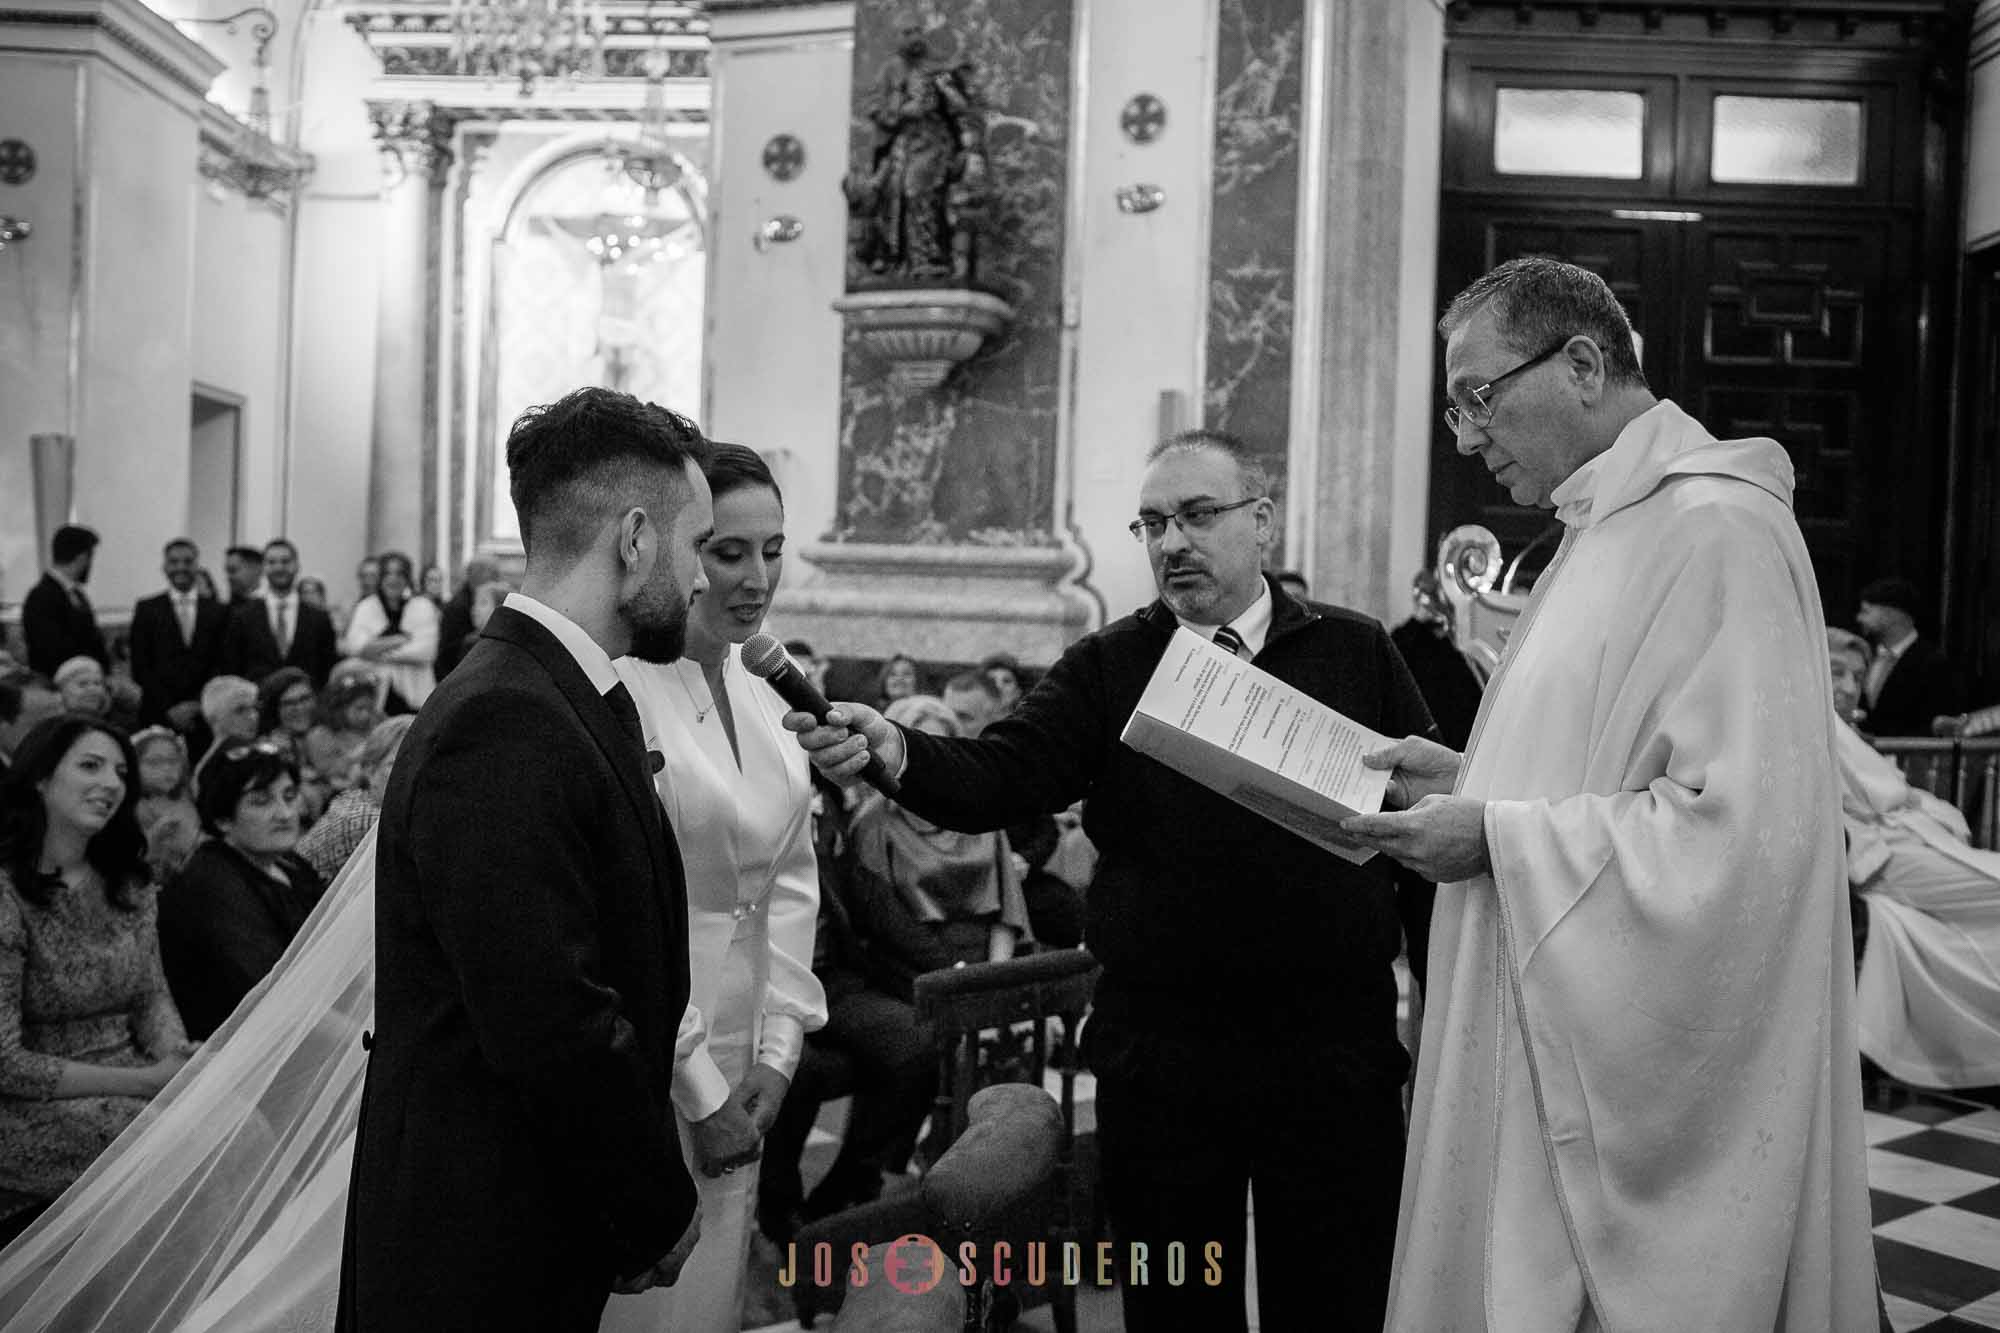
(780, 230)
(13, 229)
(1140, 198)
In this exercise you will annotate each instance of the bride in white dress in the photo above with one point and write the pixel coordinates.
(736, 788)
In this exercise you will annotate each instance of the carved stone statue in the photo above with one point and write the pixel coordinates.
(917, 211)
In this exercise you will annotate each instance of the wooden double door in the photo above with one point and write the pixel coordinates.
(1799, 311)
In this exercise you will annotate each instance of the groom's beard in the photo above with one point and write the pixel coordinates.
(659, 625)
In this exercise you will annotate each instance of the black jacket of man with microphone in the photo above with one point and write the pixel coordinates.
(1244, 1033)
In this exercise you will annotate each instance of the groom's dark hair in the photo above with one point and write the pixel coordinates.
(587, 456)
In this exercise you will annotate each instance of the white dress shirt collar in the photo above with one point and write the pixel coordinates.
(596, 663)
(1253, 626)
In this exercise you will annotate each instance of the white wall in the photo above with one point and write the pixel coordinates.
(772, 349)
(238, 340)
(1982, 138)
(1139, 279)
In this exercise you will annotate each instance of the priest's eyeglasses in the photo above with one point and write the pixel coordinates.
(1193, 519)
(1475, 407)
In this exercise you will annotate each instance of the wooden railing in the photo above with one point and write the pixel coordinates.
(1964, 772)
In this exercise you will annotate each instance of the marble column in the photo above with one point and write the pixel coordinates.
(1368, 245)
(945, 541)
(416, 139)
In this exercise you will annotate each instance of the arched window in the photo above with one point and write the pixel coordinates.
(594, 281)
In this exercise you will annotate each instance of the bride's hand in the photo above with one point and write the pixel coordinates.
(728, 1139)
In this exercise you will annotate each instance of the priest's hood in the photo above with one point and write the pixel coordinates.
(1658, 445)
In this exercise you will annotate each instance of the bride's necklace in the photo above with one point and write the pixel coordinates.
(700, 713)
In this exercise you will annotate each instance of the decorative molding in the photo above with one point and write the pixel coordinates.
(1873, 21)
(414, 38)
(240, 160)
(134, 29)
(416, 137)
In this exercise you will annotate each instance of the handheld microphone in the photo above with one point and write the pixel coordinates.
(765, 657)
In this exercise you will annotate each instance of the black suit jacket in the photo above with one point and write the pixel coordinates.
(517, 1150)
(250, 650)
(168, 670)
(1922, 685)
(1190, 884)
(224, 924)
(57, 629)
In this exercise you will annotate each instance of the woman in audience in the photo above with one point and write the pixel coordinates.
(80, 681)
(355, 811)
(899, 680)
(286, 708)
(399, 633)
(927, 897)
(230, 913)
(165, 810)
(312, 592)
(433, 585)
(204, 583)
(737, 792)
(88, 1031)
(229, 707)
(348, 712)
(1004, 670)
(1927, 1001)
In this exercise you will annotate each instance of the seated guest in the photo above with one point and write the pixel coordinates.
(88, 1031)
(229, 707)
(1004, 670)
(312, 592)
(399, 633)
(348, 711)
(893, 1060)
(431, 586)
(81, 683)
(286, 708)
(354, 811)
(166, 806)
(456, 627)
(927, 897)
(233, 909)
(1927, 1001)
(1910, 681)
(899, 680)
(25, 700)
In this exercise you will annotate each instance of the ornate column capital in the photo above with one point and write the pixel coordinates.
(416, 139)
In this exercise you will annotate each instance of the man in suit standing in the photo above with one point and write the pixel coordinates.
(1910, 680)
(280, 628)
(56, 616)
(243, 567)
(517, 1158)
(176, 641)
(1281, 1072)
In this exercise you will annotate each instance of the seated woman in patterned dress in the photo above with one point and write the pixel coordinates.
(88, 1030)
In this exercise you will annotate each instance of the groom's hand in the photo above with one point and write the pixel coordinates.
(728, 1139)
(668, 1269)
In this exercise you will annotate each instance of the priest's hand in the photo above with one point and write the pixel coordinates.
(1442, 838)
(727, 1139)
(840, 746)
(1422, 768)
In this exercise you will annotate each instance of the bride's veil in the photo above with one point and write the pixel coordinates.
(221, 1207)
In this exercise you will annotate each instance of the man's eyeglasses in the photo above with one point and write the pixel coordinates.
(1193, 519)
(1479, 410)
(237, 752)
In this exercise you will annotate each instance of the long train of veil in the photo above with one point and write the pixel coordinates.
(221, 1208)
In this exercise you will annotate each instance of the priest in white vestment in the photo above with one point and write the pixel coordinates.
(1638, 1099)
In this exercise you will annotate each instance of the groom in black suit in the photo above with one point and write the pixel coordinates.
(517, 1158)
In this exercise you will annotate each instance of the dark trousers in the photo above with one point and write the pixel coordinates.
(1188, 1127)
(895, 1073)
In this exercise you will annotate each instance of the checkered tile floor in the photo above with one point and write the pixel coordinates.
(1934, 1180)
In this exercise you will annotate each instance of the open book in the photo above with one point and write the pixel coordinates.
(1263, 743)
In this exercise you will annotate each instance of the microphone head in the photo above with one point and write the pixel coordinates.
(763, 655)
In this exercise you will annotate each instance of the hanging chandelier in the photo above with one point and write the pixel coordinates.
(528, 40)
(651, 163)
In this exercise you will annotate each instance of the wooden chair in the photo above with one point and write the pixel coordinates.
(992, 1023)
(1964, 772)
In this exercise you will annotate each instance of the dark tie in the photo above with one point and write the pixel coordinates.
(1230, 641)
